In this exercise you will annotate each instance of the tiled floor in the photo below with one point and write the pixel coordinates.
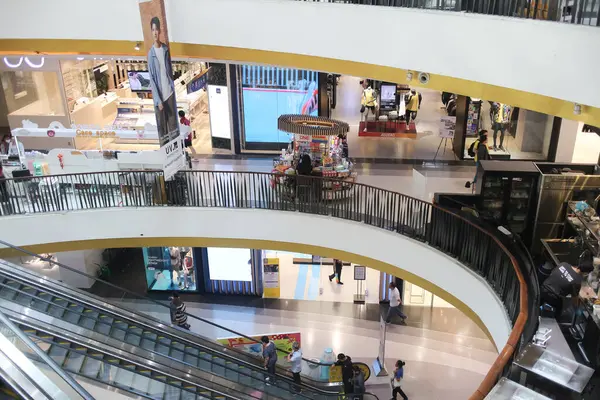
(446, 362)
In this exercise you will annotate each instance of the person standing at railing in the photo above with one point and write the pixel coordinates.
(295, 357)
(270, 356)
(395, 304)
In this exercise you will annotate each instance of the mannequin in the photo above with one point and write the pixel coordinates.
(368, 101)
(500, 115)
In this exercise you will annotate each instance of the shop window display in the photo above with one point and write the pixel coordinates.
(513, 133)
(170, 268)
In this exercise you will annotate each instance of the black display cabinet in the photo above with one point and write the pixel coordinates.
(508, 195)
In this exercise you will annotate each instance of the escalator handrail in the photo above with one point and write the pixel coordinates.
(25, 275)
(104, 348)
(45, 358)
(146, 298)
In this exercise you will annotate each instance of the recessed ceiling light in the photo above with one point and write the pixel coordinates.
(80, 58)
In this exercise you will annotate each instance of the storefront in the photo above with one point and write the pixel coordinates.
(93, 99)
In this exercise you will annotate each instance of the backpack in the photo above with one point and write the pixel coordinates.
(473, 148)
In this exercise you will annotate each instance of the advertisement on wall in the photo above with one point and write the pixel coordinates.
(170, 269)
(271, 278)
(283, 341)
(160, 74)
(269, 92)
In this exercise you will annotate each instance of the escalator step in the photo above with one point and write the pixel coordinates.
(74, 362)
(102, 326)
(162, 349)
(58, 354)
(178, 345)
(177, 354)
(204, 365)
(91, 367)
(190, 359)
(72, 317)
(56, 310)
(135, 330)
(40, 305)
(118, 334)
(188, 395)
(133, 339)
(148, 335)
(87, 322)
(149, 344)
(192, 351)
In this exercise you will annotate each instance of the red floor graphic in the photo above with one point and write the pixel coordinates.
(395, 129)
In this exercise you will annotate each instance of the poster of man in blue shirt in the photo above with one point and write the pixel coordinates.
(161, 84)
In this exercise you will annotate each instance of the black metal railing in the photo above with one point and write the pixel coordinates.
(451, 233)
(581, 12)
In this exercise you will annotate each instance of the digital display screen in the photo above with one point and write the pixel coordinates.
(139, 81)
(225, 264)
(269, 92)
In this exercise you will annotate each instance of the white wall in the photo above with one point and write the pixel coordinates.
(548, 58)
(86, 261)
(357, 238)
(71, 19)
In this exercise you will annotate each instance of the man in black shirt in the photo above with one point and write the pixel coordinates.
(564, 280)
(345, 362)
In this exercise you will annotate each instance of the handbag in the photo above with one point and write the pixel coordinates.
(362, 109)
(396, 383)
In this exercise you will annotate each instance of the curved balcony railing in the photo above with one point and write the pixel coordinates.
(581, 12)
(459, 236)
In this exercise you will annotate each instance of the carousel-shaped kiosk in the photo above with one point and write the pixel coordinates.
(319, 149)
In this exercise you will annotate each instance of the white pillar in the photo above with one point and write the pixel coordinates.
(567, 139)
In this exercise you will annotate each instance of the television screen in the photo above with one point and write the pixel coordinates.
(139, 81)
(229, 264)
(269, 92)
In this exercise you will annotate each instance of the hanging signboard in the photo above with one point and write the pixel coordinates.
(156, 41)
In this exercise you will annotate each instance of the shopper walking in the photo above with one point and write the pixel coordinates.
(395, 304)
(337, 271)
(397, 380)
(178, 314)
(188, 139)
(345, 362)
(295, 357)
(479, 150)
(270, 357)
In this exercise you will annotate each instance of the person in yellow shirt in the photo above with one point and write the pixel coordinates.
(413, 104)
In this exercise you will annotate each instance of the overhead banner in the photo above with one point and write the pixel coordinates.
(271, 287)
(283, 343)
(156, 43)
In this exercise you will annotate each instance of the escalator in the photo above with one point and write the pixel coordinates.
(78, 310)
(133, 373)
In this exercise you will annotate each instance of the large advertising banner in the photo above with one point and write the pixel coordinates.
(283, 341)
(156, 42)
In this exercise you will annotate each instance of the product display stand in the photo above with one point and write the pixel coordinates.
(445, 141)
(360, 274)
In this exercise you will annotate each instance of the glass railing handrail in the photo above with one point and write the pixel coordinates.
(47, 360)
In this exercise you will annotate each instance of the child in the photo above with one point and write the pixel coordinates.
(397, 379)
